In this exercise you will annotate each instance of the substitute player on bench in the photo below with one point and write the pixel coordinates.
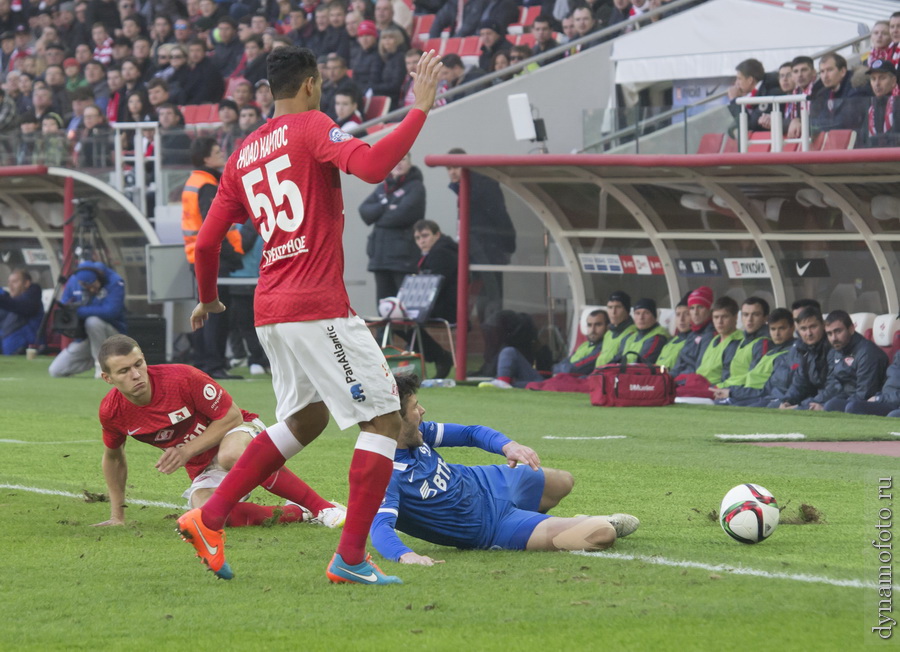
(286, 178)
(496, 506)
(198, 426)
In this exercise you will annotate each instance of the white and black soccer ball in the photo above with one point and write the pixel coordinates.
(749, 513)
(391, 308)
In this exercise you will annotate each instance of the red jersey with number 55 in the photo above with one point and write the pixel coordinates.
(286, 178)
(185, 401)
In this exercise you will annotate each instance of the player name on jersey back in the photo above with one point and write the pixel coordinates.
(262, 147)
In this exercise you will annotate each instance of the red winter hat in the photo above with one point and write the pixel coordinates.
(367, 28)
(702, 296)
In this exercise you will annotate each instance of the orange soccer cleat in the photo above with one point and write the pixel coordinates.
(209, 544)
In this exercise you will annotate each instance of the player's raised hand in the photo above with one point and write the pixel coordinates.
(426, 79)
(516, 453)
(202, 311)
(421, 560)
(172, 459)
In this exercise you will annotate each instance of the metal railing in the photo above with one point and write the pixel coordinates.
(776, 130)
(137, 192)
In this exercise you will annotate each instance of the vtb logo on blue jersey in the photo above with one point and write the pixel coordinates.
(357, 392)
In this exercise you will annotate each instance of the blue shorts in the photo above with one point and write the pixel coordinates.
(516, 496)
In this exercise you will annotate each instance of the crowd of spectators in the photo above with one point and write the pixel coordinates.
(861, 99)
(71, 70)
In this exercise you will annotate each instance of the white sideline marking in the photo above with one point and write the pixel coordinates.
(799, 577)
(77, 441)
(896, 434)
(69, 494)
(10, 379)
(761, 437)
(606, 437)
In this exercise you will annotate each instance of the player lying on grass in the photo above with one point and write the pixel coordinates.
(198, 426)
(496, 506)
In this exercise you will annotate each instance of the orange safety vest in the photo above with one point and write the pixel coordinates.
(191, 219)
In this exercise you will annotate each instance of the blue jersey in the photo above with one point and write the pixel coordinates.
(447, 504)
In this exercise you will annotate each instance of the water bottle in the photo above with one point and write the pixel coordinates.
(439, 382)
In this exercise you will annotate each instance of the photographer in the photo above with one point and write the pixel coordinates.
(96, 295)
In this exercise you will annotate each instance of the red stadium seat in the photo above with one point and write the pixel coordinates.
(710, 143)
(471, 46)
(421, 27)
(730, 146)
(452, 45)
(436, 44)
(840, 139)
(526, 39)
(529, 14)
(790, 147)
(759, 147)
(816, 144)
(377, 106)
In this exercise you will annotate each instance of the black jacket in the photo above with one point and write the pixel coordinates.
(890, 392)
(783, 370)
(693, 350)
(502, 12)
(811, 373)
(443, 259)
(854, 372)
(203, 84)
(492, 237)
(18, 311)
(847, 109)
(393, 209)
(392, 75)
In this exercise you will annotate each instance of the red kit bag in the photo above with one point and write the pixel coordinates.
(631, 384)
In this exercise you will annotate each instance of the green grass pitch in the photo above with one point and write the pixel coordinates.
(65, 585)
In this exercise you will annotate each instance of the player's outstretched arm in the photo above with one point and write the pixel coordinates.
(421, 560)
(115, 470)
(175, 457)
(206, 267)
(517, 453)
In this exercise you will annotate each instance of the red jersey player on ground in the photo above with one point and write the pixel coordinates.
(195, 422)
(285, 177)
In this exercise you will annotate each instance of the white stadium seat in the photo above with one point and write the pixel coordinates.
(886, 333)
(666, 318)
(864, 322)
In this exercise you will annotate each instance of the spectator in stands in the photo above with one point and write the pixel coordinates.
(249, 120)
(368, 64)
(316, 39)
(493, 40)
(21, 313)
(51, 147)
(454, 73)
(392, 209)
(648, 338)
(210, 13)
(132, 76)
(835, 105)
(621, 325)
(500, 61)
(7, 115)
(881, 123)
(42, 101)
(336, 37)
(474, 14)
(880, 40)
(520, 53)
(95, 75)
(884, 403)
(74, 78)
(228, 49)
(264, 99)
(749, 81)
(384, 19)
(228, 132)
(515, 370)
(83, 54)
(162, 32)
(61, 100)
(338, 80)
(97, 294)
(139, 110)
(115, 106)
(103, 44)
(204, 83)
(26, 88)
(164, 69)
(7, 46)
(180, 73)
(255, 68)
(174, 142)
(392, 49)
(157, 93)
(769, 379)
(184, 32)
(894, 29)
(301, 28)
(542, 28)
(142, 56)
(715, 363)
(121, 49)
(585, 24)
(805, 83)
(856, 367)
(29, 127)
(669, 354)
(440, 255)
(755, 342)
(242, 93)
(131, 29)
(209, 342)
(411, 59)
(492, 241)
(699, 303)
(567, 28)
(127, 9)
(94, 147)
(812, 351)
(349, 117)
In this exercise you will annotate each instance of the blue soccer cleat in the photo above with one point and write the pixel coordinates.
(366, 572)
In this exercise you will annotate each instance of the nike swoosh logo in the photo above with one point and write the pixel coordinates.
(131, 432)
(6, 257)
(371, 577)
(213, 549)
(801, 270)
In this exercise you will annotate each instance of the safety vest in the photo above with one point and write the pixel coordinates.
(749, 352)
(191, 219)
(669, 355)
(636, 341)
(759, 375)
(713, 362)
(613, 340)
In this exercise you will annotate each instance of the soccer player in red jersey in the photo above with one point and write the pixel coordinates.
(198, 426)
(285, 178)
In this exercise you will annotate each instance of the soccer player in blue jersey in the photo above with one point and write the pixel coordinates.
(496, 506)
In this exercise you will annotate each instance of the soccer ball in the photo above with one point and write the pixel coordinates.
(749, 513)
(391, 308)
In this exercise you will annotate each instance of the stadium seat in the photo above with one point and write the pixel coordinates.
(839, 139)
(864, 323)
(816, 144)
(470, 46)
(580, 334)
(526, 40)
(759, 147)
(436, 44)
(452, 45)
(377, 106)
(666, 317)
(529, 14)
(46, 297)
(421, 27)
(886, 334)
(711, 143)
(730, 146)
